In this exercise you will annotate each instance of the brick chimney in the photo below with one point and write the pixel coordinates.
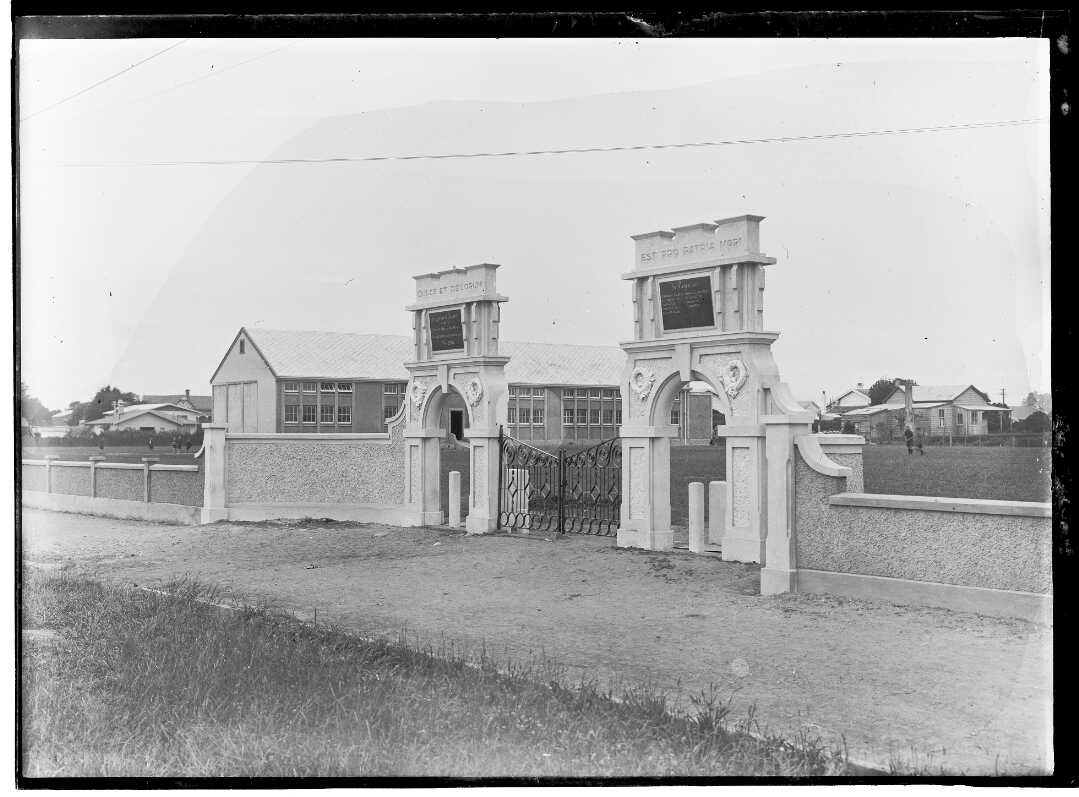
(187, 394)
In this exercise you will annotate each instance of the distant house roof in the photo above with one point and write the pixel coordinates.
(135, 410)
(198, 402)
(861, 393)
(298, 354)
(108, 420)
(939, 392)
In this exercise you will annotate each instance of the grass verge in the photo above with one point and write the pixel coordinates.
(137, 683)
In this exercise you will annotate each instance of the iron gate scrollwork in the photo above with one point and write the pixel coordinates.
(579, 492)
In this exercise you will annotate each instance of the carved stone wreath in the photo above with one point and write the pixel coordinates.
(419, 393)
(474, 391)
(734, 377)
(642, 381)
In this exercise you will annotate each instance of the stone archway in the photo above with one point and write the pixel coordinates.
(698, 314)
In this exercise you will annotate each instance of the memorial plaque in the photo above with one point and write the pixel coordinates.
(687, 303)
(446, 330)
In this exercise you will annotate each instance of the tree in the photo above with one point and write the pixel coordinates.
(880, 390)
(101, 404)
(1031, 400)
(1037, 421)
(31, 408)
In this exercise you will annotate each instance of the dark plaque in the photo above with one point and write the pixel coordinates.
(446, 330)
(687, 303)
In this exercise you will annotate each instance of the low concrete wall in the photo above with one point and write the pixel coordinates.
(124, 484)
(112, 507)
(357, 477)
(993, 557)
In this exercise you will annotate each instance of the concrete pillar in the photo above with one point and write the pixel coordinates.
(482, 481)
(93, 475)
(48, 472)
(646, 488)
(743, 527)
(213, 458)
(146, 463)
(780, 558)
(422, 473)
(717, 511)
(455, 499)
(696, 517)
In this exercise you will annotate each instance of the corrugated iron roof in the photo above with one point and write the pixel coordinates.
(937, 392)
(198, 402)
(338, 355)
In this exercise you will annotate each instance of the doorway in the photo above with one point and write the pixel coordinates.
(457, 423)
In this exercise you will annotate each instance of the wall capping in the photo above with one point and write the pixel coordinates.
(1032, 606)
(977, 506)
(310, 437)
(814, 457)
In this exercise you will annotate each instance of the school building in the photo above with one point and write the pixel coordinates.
(288, 381)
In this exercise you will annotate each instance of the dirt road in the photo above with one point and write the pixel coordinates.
(969, 693)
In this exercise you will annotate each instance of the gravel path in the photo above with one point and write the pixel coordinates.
(925, 686)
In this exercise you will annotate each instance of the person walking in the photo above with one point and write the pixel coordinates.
(908, 433)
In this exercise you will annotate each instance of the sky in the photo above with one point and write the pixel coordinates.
(920, 254)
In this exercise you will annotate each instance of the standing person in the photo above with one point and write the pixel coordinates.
(151, 444)
(908, 433)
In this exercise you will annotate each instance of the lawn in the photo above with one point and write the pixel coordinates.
(1002, 473)
(118, 681)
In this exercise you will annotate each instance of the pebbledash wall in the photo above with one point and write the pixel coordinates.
(357, 477)
(990, 557)
(147, 491)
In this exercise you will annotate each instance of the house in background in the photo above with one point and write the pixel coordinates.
(203, 406)
(280, 381)
(160, 417)
(851, 400)
(939, 410)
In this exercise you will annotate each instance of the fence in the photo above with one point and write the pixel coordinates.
(992, 557)
(146, 491)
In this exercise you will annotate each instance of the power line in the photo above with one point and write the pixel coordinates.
(103, 81)
(567, 151)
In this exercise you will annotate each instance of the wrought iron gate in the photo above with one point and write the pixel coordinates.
(579, 492)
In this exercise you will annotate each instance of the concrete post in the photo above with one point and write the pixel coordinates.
(696, 517)
(455, 499)
(48, 472)
(717, 511)
(422, 471)
(780, 550)
(146, 463)
(213, 457)
(483, 482)
(93, 475)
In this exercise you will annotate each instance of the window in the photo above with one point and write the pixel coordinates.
(390, 388)
(595, 393)
(610, 394)
(567, 392)
(242, 346)
(308, 413)
(513, 391)
(608, 417)
(344, 414)
(958, 418)
(325, 413)
(674, 415)
(292, 387)
(593, 417)
(582, 416)
(618, 416)
(511, 415)
(388, 411)
(327, 387)
(940, 418)
(292, 413)
(309, 387)
(973, 418)
(537, 415)
(344, 387)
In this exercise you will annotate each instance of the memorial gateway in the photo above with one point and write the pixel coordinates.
(577, 439)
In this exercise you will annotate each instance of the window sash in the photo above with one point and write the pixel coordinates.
(593, 417)
(567, 416)
(511, 415)
(344, 387)
(328, 387)
(608, 417)
(308, 413)
(325, 413)
(582, 416)
(309, 387)
(292, 413)
(537, 415)
(292, 387)
(344, 414)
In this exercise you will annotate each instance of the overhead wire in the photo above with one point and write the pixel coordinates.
(102, 81)
(564, 151)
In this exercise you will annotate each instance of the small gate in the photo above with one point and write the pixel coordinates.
(578, 493)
